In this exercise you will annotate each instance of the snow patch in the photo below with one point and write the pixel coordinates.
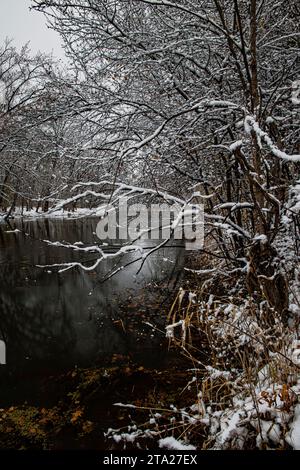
(293, 437)
(173, 444)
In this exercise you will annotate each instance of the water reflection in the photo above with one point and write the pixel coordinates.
(51, 321)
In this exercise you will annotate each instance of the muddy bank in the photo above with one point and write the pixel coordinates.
(75, 409)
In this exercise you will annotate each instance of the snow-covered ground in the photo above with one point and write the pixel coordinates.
(61, 213)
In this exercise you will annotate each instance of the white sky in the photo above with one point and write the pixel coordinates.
(19, 23)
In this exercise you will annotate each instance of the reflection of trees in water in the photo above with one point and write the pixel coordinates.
(55, 317)
(71, 230)
(32, 314)
(46, 315)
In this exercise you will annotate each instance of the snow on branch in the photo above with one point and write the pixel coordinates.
(252, 125)
(118, 187)
(76, 198)
(102, 256)
(235, 205)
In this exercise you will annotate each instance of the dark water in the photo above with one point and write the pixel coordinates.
(52, 321)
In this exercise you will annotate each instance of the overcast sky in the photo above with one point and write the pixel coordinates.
(19, 23)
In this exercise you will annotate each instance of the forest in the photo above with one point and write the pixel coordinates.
(193, 103)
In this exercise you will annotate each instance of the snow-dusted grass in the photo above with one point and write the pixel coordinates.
(247, 389)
